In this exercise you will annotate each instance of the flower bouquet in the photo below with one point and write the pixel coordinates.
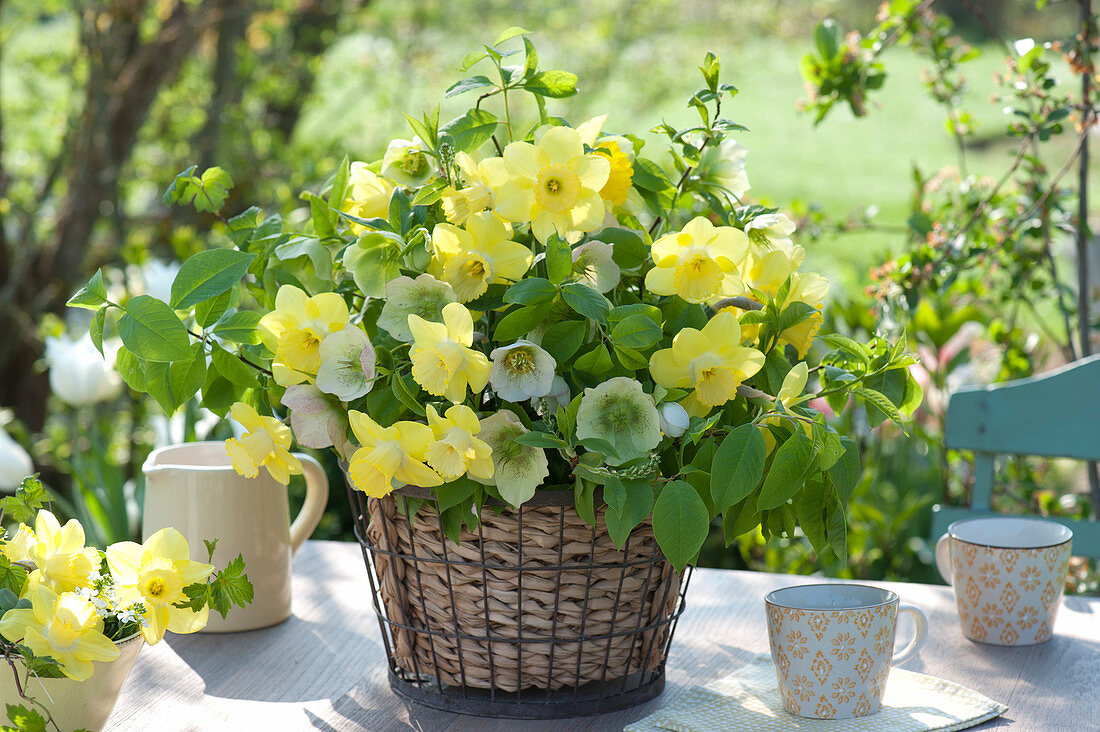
(549, 362)
(73, 617)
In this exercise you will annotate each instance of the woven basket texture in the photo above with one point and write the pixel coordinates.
(580, 610)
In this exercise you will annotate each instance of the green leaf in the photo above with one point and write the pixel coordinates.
(614, 493)
(12, 577)
(215, 184)
(430, 193)
(130, 368)
(152, 331)
(740, 519)
(844, 474)
(562, 340)
(710, 69)
(95, 330)
(530, 291)
(630, 249)
(25, 719)
(172, 384)
(211, 310)
(232, 368)
(879, 401)
(30, 496)
(596, 362)
(471, 130)
(794, 313)
(320, 258)
(240, 327)
(637, 504)
(519, 322)
(810, 509)
(586, 301)
(583, 498)
(468, 84)
(680, 522)
(510, 33)
(636, 331)
(555, 84)
(92, 295)
(847, 345)
(206, 274)
(407, 392)
(827, 39)
(559, 259)
(785, 476)
(838, 531)
(535, 438)
(630, 359)
(597, 444)
(650, 176)
(231, 587)
(737, 467)
(339, 190)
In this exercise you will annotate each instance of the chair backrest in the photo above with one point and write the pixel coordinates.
(1056, 414)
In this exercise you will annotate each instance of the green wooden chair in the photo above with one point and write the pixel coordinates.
(1056, 414)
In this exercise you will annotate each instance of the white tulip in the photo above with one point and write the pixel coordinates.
(78, 373)
(15, 463)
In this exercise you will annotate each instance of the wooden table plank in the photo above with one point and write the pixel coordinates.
(325, 668)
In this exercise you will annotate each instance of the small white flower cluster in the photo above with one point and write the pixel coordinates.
(101, 593)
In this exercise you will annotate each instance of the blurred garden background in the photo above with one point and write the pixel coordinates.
(940, 199)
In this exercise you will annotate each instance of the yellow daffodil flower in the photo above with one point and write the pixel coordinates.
(454, 449)
(808, 288)
(267, 444)
(555, 185)
(63, 626)
(477, 193)
(480, 255)
(294, 331)
(710, 361)
(368, 195)
(699, 263)
(389, 453)
(767, 267)
(442, 360)
(17, 548)
(617, 187)
(154, 574)
(59, 552)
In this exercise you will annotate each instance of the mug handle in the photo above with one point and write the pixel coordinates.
(943, 557)
(314, 506)
(921, 622)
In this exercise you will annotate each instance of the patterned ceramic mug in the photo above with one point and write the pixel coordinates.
(1008, 573)
(833, 645)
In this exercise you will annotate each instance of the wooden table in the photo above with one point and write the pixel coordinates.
(325, 668)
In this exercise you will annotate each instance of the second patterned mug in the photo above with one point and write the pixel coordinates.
(833, 645)
(1008, 573)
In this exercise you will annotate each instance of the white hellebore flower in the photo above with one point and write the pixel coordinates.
(593, 263)
(78, 373)
(674, 419)
(15, 463)
(772, 229)
(425, 297)
(406, 163)
(317, 422)
(559, 396)
(347, 364)
(724, 166)
(517, 469)
(521, 371)
(620, 412)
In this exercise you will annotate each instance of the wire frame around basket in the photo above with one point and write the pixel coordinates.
(440, 661)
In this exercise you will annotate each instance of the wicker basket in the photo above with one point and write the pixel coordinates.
(533, 615)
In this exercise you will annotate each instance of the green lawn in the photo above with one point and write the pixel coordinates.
(643, 71)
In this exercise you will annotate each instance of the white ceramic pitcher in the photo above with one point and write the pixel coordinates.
(193, 488)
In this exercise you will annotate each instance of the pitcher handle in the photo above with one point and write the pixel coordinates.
(314, 506)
